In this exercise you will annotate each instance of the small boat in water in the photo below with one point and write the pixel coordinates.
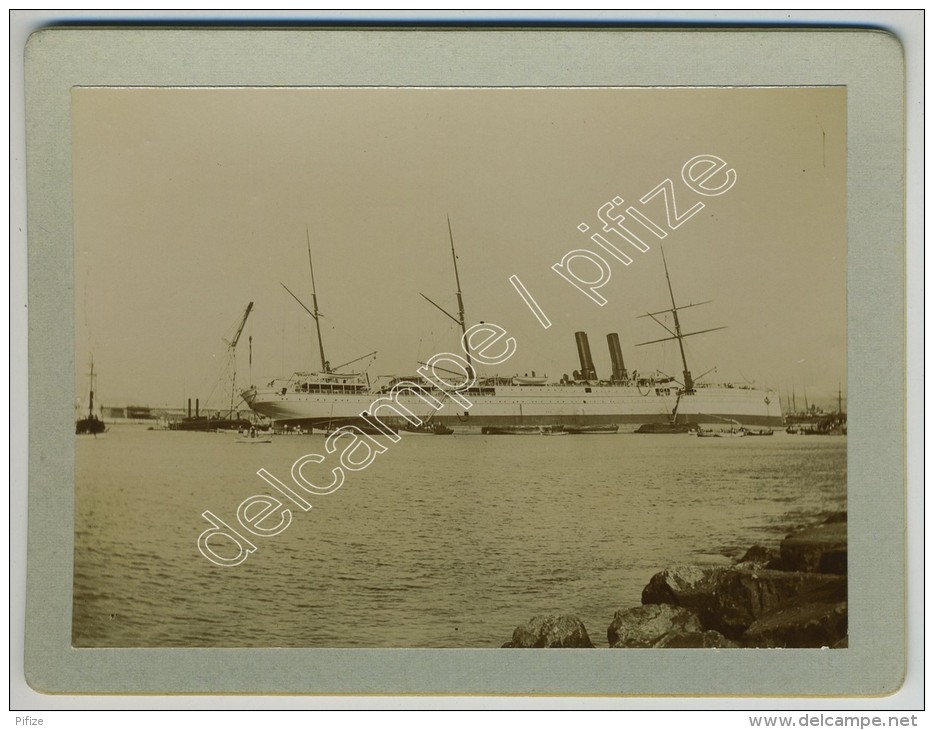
(732, 433)
(595, 428)
(666, 428)
(553, 430)
(92, 425)
(253, 437)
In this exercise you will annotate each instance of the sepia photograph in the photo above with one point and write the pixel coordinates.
(355, 360)
(460, 367)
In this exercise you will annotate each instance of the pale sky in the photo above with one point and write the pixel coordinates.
(189, 203)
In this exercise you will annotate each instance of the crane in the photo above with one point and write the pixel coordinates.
(236, 338)
(232, 355)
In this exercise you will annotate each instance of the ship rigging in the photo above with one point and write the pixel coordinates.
(327, 399)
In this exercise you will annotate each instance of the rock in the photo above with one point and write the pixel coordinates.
(805, 550)
(793, 598)
(675, 584)
(644, 626)
(550, 632)
(800, 626)
(758, 554)
(741, 597)
(729, 600)
(832, 591)
(833, 561)
(813, 618)
(711, 560)
(696, 640)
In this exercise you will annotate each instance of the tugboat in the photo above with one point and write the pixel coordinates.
(92, 424)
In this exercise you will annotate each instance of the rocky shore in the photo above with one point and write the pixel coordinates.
(795, 597)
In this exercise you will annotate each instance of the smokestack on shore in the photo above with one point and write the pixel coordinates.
(588, 372)
(616, 357)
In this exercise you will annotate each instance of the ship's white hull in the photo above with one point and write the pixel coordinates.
(627, 406)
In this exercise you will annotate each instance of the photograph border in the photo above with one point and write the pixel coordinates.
(868, 62)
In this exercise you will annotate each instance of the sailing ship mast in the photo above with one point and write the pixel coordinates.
(91, 394)
(460, 318)
(460, 298)
(315, 315)
(677, 334)
(314, 303)
(688, 380)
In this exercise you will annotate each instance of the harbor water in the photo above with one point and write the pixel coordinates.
(444, 541)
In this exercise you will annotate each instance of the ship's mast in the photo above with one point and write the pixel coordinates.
(460, 319)
(688, 380)
(460, 298)
(677, 334)
(314, 304)
(91, 395)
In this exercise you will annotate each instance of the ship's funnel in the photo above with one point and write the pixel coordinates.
(616, 357)
(197, 407)
(583, 351)
(189, 407)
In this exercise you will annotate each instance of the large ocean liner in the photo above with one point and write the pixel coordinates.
(329, 398)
